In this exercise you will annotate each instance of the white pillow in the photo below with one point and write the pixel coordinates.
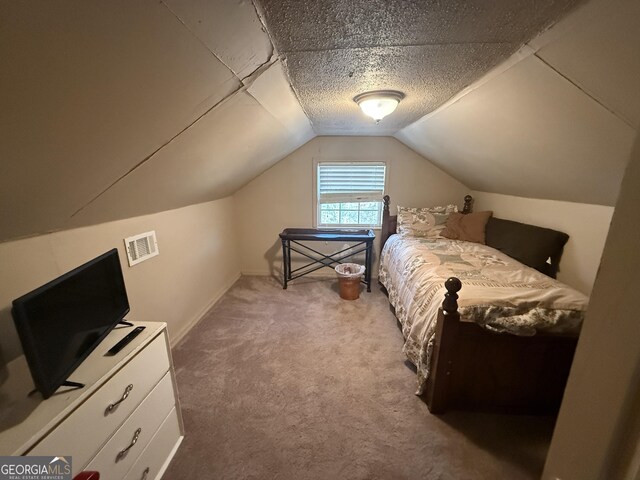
(423, 222)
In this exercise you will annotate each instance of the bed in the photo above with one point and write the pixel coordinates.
(484, 331)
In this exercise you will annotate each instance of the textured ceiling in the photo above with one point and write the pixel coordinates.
(428, 49)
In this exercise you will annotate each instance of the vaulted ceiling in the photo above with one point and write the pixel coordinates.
(117, 109)
(123, 108)
(428, 49)
(556, 121)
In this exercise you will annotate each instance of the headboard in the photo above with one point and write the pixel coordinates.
(390, 222)
(538, 247)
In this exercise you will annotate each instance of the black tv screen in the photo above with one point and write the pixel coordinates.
(61, 322)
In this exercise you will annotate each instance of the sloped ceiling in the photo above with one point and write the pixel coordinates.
(427, 49)
(127, 108)
(123, 108)
(211, 156)
(556, 121)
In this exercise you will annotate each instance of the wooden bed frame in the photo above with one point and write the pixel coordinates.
(475, 369)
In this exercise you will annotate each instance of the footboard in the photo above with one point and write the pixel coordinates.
(476, 369)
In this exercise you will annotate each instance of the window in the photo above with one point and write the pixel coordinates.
(350, 194)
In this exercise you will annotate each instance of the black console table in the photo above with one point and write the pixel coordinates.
(289, 236)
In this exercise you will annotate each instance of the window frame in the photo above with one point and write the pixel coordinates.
(316, 199)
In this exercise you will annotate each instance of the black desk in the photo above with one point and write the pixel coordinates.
(294, 236)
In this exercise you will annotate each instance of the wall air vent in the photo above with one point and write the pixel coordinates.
(141, 247)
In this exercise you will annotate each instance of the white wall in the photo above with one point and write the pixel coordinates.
(597, 424)
(283, 195)
(587, 226)
(198, 261)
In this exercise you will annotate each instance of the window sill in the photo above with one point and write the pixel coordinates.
(350, 227)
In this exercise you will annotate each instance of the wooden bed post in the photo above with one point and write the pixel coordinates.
(390, 222)
(385, 233)
(450, 303)
(468, 204)
(437, 390)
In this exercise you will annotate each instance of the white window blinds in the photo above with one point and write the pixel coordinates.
(350, 182)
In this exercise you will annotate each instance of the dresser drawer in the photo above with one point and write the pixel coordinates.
(157, 455)
(121, 451)
(92, 424)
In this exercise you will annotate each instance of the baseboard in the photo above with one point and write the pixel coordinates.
(256, 273)
(278, 275)
(175, 339)
(266, 273)
(166, 463)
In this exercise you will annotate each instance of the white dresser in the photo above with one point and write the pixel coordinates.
(125, 423)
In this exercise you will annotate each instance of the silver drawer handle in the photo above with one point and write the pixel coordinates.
(134, 440)
(145, 474)
(126, 393)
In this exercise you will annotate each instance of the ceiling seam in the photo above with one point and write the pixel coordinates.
(152, 154)
(586, 92)
(283, 62)
(519, 55)
(295, 92)
(243, 87)
(235, 74)
(273, 52)
(248, 79)
(244, 83)
(395, 45)
(264, 107)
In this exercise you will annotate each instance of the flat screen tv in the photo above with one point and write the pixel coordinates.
(63, 321)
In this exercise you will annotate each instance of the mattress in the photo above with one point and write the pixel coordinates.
(498, 293)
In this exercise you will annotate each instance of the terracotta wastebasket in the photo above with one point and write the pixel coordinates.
(349, 275)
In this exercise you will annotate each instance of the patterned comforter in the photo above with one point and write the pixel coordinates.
(498, 293)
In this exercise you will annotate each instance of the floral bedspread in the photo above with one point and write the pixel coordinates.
(498, 293)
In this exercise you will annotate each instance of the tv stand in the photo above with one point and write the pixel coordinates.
(124, 394)
(68, 383)
(125, 323)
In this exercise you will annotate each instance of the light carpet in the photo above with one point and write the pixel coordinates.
(299, 384)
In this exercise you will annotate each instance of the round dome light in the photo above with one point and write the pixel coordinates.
(378, 104)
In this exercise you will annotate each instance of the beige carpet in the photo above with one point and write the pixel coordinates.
(299, 384)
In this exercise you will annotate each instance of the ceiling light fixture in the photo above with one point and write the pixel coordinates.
(378, 104)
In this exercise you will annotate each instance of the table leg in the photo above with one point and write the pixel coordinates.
(368, 258)
(286, 266)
